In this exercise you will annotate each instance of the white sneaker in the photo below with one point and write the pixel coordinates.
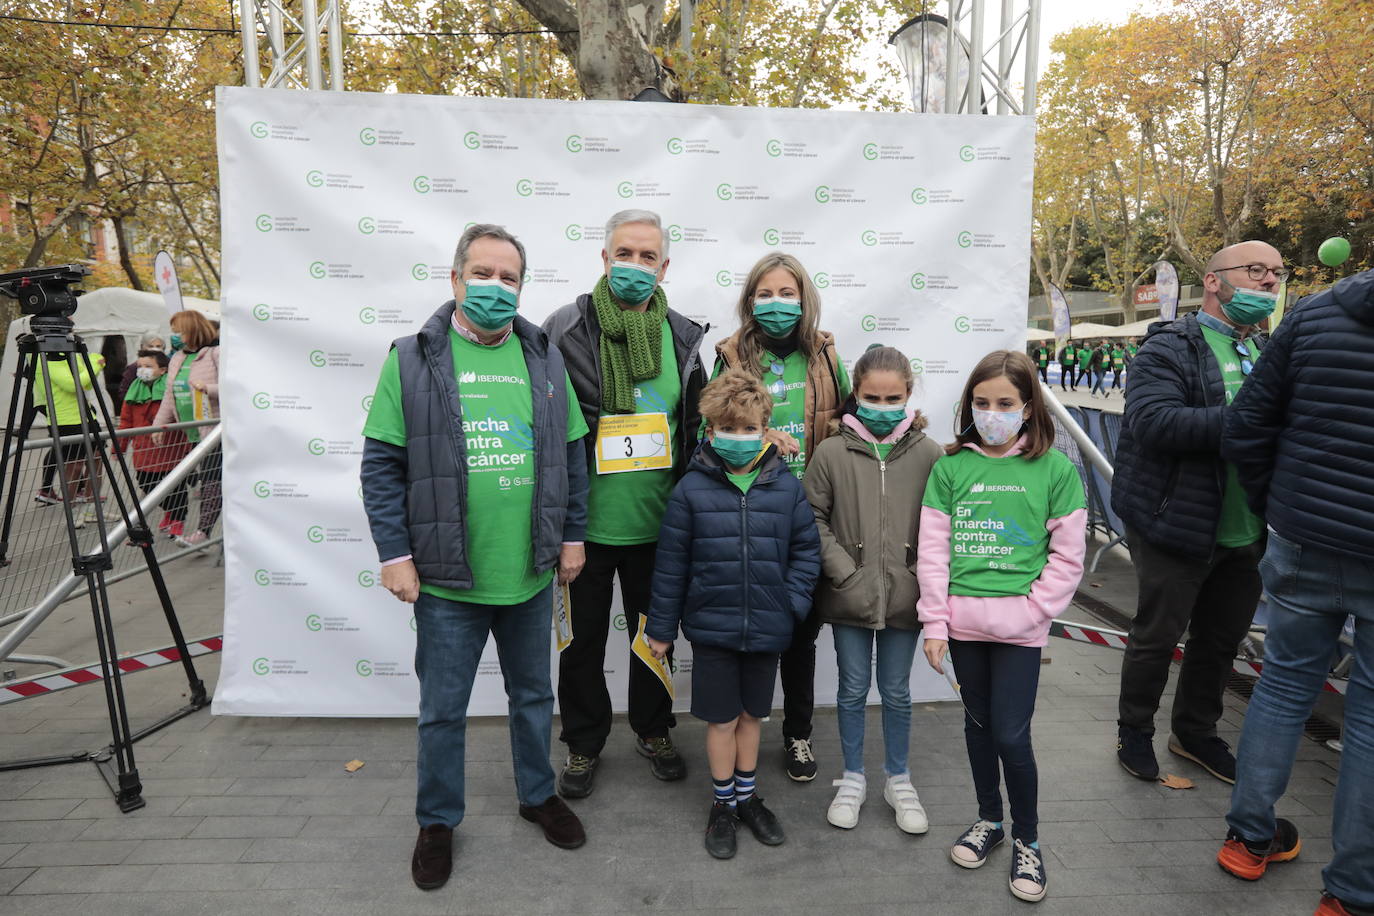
(901, 795)
(844, 810)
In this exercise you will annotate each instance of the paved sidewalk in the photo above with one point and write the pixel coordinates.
(258, 815)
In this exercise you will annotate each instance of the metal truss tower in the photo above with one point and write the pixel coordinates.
(298, 36)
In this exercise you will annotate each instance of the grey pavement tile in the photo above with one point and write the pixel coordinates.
(332, 804)
(302, 786)
(249, 827)
(89, 879)
(1208, 877)
(153, 804)
(14, 785)
(1106, 855)
(179, 903)
(325, 825)
(222, 876)
(45, 831)
(305, 849)
(7, 851)
(1131, 831)
(1126, 905)
(302, 875)
(1272, 902)
(237, 805)
(173, 852)
(39, 809)
(136, 827)
(10, 878)
(1100, 881)
(95, 852)
(214, 753)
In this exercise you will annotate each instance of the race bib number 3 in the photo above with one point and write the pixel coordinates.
(633, 442)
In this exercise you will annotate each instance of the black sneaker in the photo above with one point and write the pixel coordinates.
(1211, 753)
(1027, 881)
(971, 850)
(801, 763)
(720, 832)
(1136, 752)
(760, 821)
(667, 764)
(576, 779)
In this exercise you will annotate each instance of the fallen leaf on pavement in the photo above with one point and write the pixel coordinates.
(354, 766)
(1175, 782)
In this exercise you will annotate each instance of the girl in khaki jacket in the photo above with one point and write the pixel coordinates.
(865, 485)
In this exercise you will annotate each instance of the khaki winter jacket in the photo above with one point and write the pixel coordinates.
(868, 512)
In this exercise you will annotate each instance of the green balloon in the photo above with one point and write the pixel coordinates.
(1334, 251)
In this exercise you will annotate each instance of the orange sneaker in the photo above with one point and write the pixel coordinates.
(1330, 906)
(1248, 861)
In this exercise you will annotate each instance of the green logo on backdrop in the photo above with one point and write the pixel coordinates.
(367, 402)
(625, 189)
(725, 191)
(723, 278)
(472, 140)
(870, 151)
(363, 667)
(420, 183)
(868, 237)
(918, 280)
(619, 622)
(314, 178)
(524, 187)
(262, 489)
(262, 400)
(573, 144)
(773, 148)
(823, 194)
(965, 239)
(961, 324)
(919, 196)
(314, 534)
(419, 271)
(367, 314)
(261, 666)
(367, 136)
(262, 311)
(261, 577)
(822, 280)
(675, 233)
(573, 232)
(317, 270)
(263, 222)
(317, 358)
(315, 446)
(312, 622)
(868, 323)
(258, 129)
(918, 366)
(771, 236)
(966, 153)
(674, 146)
(367, 578)
(367, 225)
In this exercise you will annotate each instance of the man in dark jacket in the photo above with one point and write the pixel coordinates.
(1299, 436)
(1068, 362)
(635, 366)
(1194, 543)
(474, 481)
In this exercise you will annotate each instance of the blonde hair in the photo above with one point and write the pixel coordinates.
(734, 398)
(196, 330)
(750, 347)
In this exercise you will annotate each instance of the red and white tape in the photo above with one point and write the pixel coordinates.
(90, 674)
(1115, 639)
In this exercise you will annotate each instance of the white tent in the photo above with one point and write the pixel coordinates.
(1035, 334)
(102, 313)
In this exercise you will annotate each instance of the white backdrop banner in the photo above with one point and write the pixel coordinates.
(340, 214)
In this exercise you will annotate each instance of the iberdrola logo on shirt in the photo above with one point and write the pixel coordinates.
(996, 488)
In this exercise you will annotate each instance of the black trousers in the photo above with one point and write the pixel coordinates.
(798, 669)
(1211, 600)
(175, 503)
(1044, 374)
(583, 700)
(1066, 377)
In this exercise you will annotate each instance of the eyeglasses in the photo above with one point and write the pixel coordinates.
(1246, 365)
(1258, 271)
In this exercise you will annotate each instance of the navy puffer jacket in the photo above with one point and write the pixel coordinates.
(735, 569)
(1169, 474)
(1301, 431)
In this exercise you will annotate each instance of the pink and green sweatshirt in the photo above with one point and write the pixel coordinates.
(1001, 546)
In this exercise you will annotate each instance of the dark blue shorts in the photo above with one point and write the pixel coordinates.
(726, 683)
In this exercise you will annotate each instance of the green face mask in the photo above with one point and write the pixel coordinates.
(490, 304)
(881, 419)
(1249, 306)
(631, 283)
(778, 317)
(176, 342)
(736, 450)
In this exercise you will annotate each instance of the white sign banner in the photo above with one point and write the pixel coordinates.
(340, 214)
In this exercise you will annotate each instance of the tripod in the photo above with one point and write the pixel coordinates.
(52, 339)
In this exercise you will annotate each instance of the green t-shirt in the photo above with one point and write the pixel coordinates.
(1132, 350)
(785, 379)
(493, 387)
(1069, 356)
(1042, 357)
(744, 481)
(1084, 356)
(1237, 525)
(627, 508)
(883, 448)
(998, 508)
(184, 397)
(1118, 359)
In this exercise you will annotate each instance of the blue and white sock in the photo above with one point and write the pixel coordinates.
(724, 791)
(744, 785)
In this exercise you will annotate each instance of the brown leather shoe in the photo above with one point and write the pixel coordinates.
(433, 859)
(561, 827)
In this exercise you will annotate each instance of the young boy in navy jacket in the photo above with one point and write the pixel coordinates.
(738, 557)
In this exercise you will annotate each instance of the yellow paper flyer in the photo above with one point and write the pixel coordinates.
(562, 617)
(659, 666)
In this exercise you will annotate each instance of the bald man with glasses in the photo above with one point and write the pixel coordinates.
(1195, 543)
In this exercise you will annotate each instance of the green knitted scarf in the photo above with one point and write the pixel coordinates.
(631, 346)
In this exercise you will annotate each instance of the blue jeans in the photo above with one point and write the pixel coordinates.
(1099, 380)
(997, 683)
(854, 655)
(449, 638)
(1311, 590)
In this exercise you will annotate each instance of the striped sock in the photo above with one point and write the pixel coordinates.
(725, 791)
(744, 785)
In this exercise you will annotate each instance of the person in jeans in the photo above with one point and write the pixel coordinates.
(1195, 544)
(865, 485)
(634, 365)
(474, 483)
(1298, 436)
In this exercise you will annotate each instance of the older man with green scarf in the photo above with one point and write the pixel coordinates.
(634, 364)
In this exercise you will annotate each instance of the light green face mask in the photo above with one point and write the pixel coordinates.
(490, 304)
(777, 316)
(1249, 306)
(632, 283)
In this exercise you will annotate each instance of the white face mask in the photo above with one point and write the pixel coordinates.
(997, 427)
(145, 373)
